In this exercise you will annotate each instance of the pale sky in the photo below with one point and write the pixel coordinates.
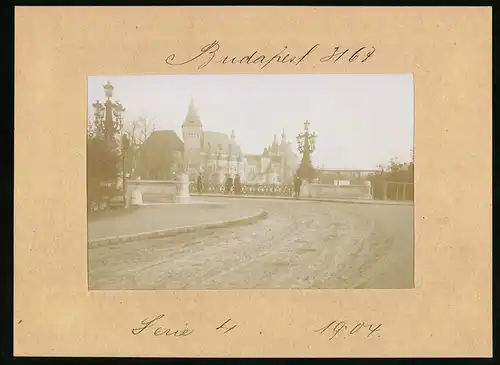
(361, 120)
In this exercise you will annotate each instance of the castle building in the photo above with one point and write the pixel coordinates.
(215, 154)
(276, 165)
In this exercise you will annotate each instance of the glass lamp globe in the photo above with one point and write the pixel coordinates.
(108, 89)
(118, 110)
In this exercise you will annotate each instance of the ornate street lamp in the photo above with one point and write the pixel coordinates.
(108, 90)
(306, 142)
(209, 154)
(108, 115)
(285, 170)
(108, 119)
(217, 164)
(229, 156)
(125, 148)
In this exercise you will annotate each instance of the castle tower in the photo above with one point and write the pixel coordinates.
(275, 141)
(192, 131)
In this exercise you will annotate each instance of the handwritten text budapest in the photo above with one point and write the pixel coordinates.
(212, 54)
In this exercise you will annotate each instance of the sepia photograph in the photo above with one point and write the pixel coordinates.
(216, 182)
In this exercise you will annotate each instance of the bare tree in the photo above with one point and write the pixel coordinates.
(138, 130)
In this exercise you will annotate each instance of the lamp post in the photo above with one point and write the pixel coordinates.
(306, 142)
(208, 173)
(217, 165)
(108, 115)
(229, 158)
(285, 170)
(125, 148)
(209, 153)
(238, 160)
(108, 119)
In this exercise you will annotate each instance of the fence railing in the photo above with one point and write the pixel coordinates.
(393, 190)
(246, 189)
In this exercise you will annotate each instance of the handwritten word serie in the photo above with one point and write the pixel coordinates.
(211, 53)
(153, 326)
(338, 328)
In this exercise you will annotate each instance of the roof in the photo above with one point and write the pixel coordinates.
(217, 141)
(163, 140)
(275, 159)
(192, 118)
(253, 159)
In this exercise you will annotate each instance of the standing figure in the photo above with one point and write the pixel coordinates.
(297, 185)
(237, 184)
(229, 184)
(199, 184)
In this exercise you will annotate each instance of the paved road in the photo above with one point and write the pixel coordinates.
(300, 245)
(164, 216)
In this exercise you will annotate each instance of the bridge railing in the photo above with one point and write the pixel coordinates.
(396, 190)
(246, 189)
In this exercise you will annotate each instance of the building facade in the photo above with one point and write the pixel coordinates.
(276, 165)
(159, 157)
(215, 154)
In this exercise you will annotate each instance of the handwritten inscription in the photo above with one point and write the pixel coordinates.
(333, 329)
(338, 328)
(362, 54)
(210, 53)
(226, 327)
(158, 330)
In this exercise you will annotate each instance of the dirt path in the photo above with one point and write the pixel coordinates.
(300, 245)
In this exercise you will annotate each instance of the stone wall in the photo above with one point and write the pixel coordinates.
(340, 191)
(154, 190)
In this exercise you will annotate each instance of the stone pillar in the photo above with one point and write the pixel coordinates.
(305, 189)
(136, 198)
(368, 185)
(183, 189)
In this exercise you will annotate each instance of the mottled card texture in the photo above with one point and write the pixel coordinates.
(448, 51)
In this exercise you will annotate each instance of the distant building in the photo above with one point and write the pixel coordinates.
(160, 156)
(215, 154)
(277, 163)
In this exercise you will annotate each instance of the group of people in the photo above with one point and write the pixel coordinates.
(230, 184)
(234, 184)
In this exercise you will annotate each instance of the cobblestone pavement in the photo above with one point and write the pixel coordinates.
(300, 245)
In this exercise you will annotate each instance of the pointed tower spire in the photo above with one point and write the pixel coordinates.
(232, 135)
(283, 135)
(192, 117)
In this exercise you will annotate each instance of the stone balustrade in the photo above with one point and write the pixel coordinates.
(338, 191)
(139, 191)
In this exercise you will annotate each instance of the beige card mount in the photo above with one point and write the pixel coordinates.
(293, 182)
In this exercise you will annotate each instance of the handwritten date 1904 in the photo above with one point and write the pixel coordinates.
(336, 328)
